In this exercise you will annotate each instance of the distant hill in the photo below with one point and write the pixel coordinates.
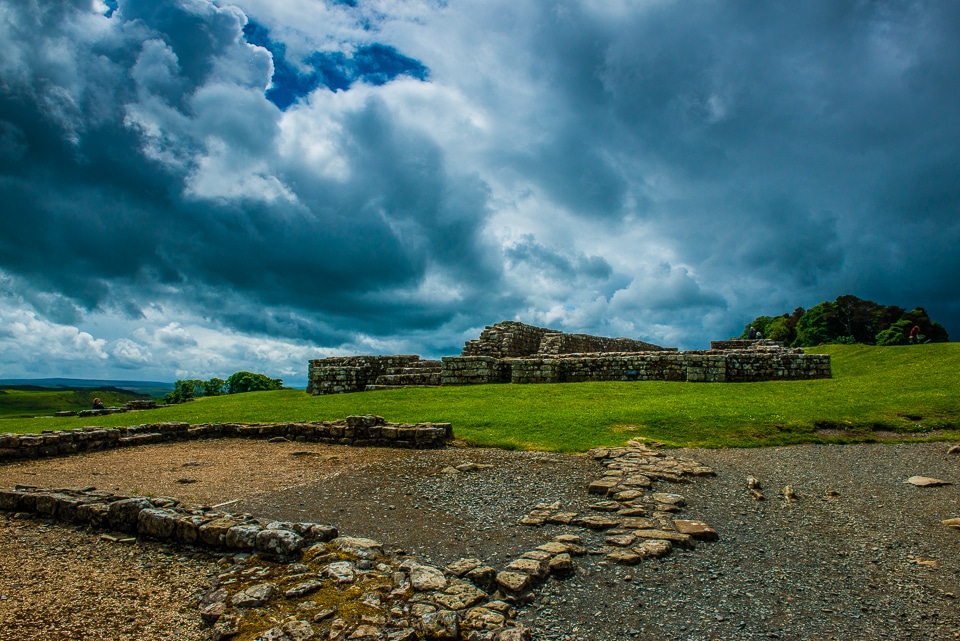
(151, 388)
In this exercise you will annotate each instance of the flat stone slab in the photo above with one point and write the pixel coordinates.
(597, 522)
(665, 535)
(697, 529)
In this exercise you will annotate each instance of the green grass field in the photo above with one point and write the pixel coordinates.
(27, 402)
(912, 390)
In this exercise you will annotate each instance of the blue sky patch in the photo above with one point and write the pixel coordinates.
(112, 6)
(375, 64)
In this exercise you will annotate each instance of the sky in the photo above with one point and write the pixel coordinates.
(191, 188)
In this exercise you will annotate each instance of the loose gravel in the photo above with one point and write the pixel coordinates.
(860, 555)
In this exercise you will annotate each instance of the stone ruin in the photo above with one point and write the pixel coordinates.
(512, 352)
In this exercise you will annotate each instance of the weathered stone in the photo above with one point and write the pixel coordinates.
(254, 596)
(273, 634)
(536, 569)
(597, 522)
(461, 567)
(484, 577)
(627, 495)
(365, 632)
(282, 543)
(603, 485)
(299, 631)
(212, 612)
(158, 523)
(123, 515)
(341, 571)
(214, 596)
(424, 578)
(637, 523)
(653, 548)
(214, 533)
(605, 506)
(459, 596)
(624, 557)
(358, 547)
(242, 537)
(513, 581)
(621, 540)
(561, 518)
(482, 619)
(669, 499)
(561, 565)
(302, 589)
(954, 523)
(225, 628)
(697, 529)
(518, 633)
(665, 535)
(440, 626)
(954, 449)
(637, 480)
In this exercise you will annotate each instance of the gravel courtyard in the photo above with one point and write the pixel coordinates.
(860, 555)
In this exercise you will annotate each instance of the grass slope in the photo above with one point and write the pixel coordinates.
(910, 389)
(25, 401)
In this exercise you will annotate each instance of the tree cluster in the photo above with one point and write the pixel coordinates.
(237, 383)
(848, 320)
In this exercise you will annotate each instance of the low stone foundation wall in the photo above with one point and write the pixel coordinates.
(342, 374)
(355, 430)
(166, 519)
(703, 366)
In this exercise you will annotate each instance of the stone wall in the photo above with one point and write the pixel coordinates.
(745, 343)
(473, 370)
(355, 430)
(703, 366)
(167, 519)
(507, 339)
(343, 374)
(512, 339)
(512, 352)
(559, 344)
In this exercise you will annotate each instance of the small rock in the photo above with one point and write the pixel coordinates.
(424, 578)
(696, 529)
(789, 494)
(954, 450)
(953, 523)
(926, 481)
(753, 483)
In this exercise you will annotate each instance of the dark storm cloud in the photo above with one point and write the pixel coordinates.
(138, 175)
(350, 173)
(788, 133)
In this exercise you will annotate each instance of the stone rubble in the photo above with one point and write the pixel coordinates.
(284, 581)
(638, 525)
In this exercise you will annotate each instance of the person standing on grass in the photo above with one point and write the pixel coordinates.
(753, 333)
(98, 404)
(914, 334)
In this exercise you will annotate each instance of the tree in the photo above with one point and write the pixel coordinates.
(241, 382)
(214, 387)
(848, 320)
(819, 324)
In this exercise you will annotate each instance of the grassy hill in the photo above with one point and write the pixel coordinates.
(24, 401)
(910, 390)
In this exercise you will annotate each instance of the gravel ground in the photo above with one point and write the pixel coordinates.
(861, 555)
